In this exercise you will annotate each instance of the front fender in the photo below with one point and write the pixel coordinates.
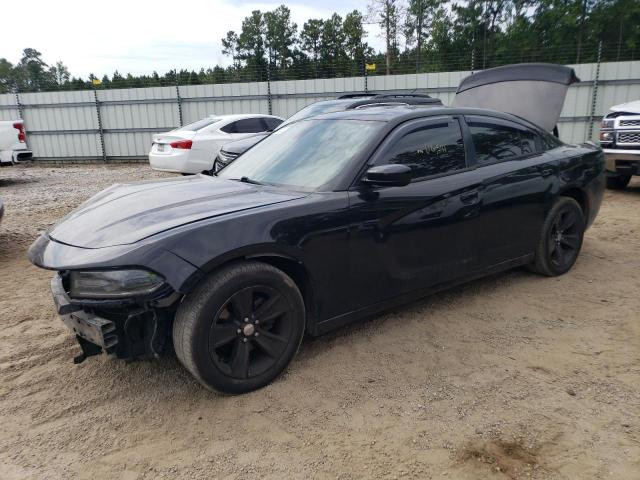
(52, 255)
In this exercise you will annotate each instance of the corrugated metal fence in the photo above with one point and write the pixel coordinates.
(118, 124)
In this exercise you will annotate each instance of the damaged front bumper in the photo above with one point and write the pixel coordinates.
(127, 328)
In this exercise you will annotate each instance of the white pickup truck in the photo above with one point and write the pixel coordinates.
(620, 141)
(13, 145)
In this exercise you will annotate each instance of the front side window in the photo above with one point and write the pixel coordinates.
(433, 149)
(308, 154)
(497, 141)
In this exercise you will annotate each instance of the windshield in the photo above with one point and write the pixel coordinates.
(315, 109)
(306, 154)
(195, 126)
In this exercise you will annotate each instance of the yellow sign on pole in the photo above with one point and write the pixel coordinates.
(370, 66)
(96, 81)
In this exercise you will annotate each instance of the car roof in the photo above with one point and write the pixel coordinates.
(399, 113)
(355, 100)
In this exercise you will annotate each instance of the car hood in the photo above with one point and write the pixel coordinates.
(127, 213)
(241, 146)
(631, 107)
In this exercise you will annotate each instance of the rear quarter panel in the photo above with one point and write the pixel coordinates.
(582, 167)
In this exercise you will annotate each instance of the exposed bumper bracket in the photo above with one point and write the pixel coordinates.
(88, 350)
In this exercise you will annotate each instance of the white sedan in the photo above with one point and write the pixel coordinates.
(193, 148)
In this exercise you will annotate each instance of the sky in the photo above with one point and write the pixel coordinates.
(139, 37)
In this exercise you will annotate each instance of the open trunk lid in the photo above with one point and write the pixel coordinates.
(533, 91)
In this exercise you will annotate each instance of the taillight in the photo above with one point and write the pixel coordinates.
(184, 144)
(21, 135)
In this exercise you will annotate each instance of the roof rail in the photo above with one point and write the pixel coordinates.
(402, 95)
(422, 100)
(381, 104)
(357, 95)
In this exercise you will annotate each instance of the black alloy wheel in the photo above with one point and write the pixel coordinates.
(250, 332)
(564, 238)
(240, 327)
(561, 238)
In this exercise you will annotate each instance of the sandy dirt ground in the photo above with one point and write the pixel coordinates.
(515, 376)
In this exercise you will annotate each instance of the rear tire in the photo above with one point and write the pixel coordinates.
(618, 182)
(561, 238)
(240, 327)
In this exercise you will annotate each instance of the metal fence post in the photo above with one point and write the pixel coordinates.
(99, 118)
(594, 94)
(270, 103)
(21, 112)
(19, 104)
(366, 78)
(179, 102)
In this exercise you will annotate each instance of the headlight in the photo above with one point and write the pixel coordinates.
(606, 124)
(606, 137)
(113, 283)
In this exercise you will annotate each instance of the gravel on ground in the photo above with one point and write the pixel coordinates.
(515, 376)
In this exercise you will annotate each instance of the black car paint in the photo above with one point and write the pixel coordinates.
(355, 249)
(125, 214)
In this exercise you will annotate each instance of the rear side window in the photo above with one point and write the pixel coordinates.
(500, 140)
(247, 125)
(432, 149)
(271, 123)
(551, 141)
(200, 124)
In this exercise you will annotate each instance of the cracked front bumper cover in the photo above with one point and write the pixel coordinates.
(94, 334)
(128, 331)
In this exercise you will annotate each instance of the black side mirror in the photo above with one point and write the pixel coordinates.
(392, 175)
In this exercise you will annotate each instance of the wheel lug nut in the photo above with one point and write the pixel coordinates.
(256, 334)
(257, 322)
(238, 331)
(246, 320)
(244, 340)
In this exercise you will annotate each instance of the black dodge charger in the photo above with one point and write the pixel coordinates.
(332, 219)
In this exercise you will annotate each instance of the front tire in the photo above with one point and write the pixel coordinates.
(561, 238)
(618, 182)
(240, 327)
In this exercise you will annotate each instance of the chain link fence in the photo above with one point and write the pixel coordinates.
(115, 121)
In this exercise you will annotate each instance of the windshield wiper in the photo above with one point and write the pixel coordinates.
(250, 180)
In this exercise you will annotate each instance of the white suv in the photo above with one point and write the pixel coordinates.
(194, 147)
